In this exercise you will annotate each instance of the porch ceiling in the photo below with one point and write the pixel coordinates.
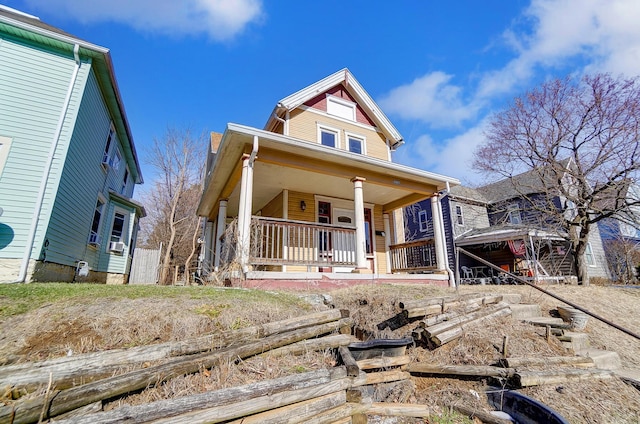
(296, 165)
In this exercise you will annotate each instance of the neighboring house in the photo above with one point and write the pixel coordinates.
(621, 236)
(315, 193)
(496, 223)
(68, 165)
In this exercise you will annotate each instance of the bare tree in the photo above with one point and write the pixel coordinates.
(178, 159)
(579, 138)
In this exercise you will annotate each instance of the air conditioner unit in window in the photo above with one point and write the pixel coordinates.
(116, 246)
(94, 239)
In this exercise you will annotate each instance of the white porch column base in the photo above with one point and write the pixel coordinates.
(221, 227)
(358, 200)
(437, 233)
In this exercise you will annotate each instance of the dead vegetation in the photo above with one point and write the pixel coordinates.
(93, 325)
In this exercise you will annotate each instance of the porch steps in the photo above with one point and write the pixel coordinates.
(576, 342)
(542, 321)
(525, 311)
(604, 359)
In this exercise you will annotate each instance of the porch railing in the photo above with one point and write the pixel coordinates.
(419, 255)
(285, 242)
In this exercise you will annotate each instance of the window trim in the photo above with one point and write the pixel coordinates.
(108, 146)
(100, 198)
(5, 147)
(125, 229)
(425, 227)
(325, 128)
(511, 209)
(459, 216)
(344, 103)
(363, 140)
(589, 257)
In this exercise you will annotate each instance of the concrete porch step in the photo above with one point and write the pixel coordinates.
(525, 311)
(544, 320)
(604, 359)
(577, 342)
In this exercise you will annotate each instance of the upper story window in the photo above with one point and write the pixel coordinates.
(422, 220)
(94, 236)
(117, 158)
(125, 181)
(328, 137)
(588, 255)
(106, 160)
(513, 212)
(355, 144)
(459, 218)
(341, 108)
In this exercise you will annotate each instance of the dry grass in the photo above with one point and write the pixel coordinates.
(102, 323)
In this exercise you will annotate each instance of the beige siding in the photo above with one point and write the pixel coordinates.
(474, 216)
(304, 124)
(378, 225)
(295, 213)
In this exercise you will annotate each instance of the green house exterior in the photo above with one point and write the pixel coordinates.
(68, 165)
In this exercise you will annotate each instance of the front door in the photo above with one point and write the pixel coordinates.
(344, 250)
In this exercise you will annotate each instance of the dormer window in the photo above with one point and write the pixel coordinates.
(341, 108)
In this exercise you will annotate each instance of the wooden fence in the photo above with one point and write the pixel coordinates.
(145, 266)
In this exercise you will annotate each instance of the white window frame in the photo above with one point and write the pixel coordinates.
(363, 142)
(108, 146)
(459, 216)
(5, 146)
(125, 181)
(341, 106)
(589, 257)
(125, 227)
(512, 210)
(117, 159)
(100, 198)
(327, 129)
(422, 221)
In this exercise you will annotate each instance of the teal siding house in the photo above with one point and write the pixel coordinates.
(68, 165)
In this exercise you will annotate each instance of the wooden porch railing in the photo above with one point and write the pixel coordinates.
(419, 255)
(285, 242)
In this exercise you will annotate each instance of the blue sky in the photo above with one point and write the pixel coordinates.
(439, 69)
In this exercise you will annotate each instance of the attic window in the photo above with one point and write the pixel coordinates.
(341, 108)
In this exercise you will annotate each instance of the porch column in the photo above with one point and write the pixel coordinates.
(387, 240)
(222, 224)
(436, 216)
(244, 212)
(358, 200)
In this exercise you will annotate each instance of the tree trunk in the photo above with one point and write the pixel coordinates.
(194, 247)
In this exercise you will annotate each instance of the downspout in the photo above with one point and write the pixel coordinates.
(452, 279)
(284, 122)
(47, 169)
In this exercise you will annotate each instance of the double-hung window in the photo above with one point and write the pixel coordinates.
(422, 220)
(118, 226)
(106, 159)
(459, 217)
(513, 211)
(355, 144)
(125, 181)
(328, 137)
(94, 235)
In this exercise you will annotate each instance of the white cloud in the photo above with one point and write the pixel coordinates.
(430, 99)
(219, 19)
(452, 157)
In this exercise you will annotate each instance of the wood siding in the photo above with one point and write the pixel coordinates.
(273, 209)
(34, 84)
(304, 124)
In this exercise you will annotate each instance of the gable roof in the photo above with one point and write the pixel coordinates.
(467, 193)
(536, 180)
(31, 28)
(346, 78)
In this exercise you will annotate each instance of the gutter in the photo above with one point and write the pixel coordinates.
(47, 170)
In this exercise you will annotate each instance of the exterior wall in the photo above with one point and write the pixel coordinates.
(380, 254)
(473, 216)
(34, 84)
(273, 209)
(320, 102)
(601, 268)
(297, 214)
(304, 124)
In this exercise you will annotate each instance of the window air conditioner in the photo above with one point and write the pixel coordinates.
(116, 246)
(94, 239)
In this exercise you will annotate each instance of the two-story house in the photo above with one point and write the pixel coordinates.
(314, 194)
(68, 165)
(497, 223)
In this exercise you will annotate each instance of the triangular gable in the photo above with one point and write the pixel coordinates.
(344, 85)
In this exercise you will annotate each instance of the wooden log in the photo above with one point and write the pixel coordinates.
(383, 362)
(80, 369)
(310, 345)
(349, 361)
(454, 333)
(368, 378)
(341, 414)
(256, 405)
(539, 378)
(295, 413)
(460, 370)
(461, 319)
(70, 399)
(484, 417)
(167, 408)
(412, 303)
(553, 325)
(400, 410)
(422, 311)
(436, 319)
(536, 361)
